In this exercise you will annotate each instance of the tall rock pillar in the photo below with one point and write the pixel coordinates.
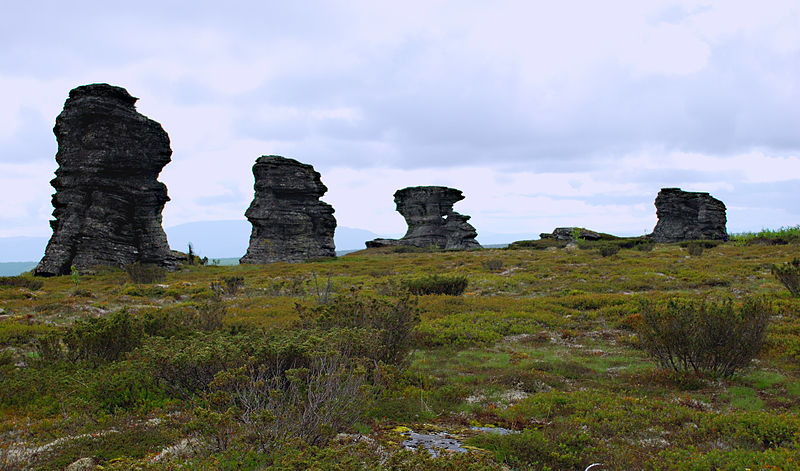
(108, 202)
(290, 223)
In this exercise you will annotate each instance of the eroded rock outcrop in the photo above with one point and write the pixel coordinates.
(290, 223)
(428, 211)
(572, 234)
(108, 202)
(685, 215)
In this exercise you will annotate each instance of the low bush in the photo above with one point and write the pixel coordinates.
(229, 285)
(535, 449)
(695, 249)
(185, 366)
(21, 282)
(277, 404)
(608, 250)
(704, 337)
(538, 244)
(493, 264)
(704, 243)
(789, 274)
(645, 246)
(93, 340)
(124, 386)
(453, 285)
(205, 315)
(782, 236)
(389, 322)
(145, 273)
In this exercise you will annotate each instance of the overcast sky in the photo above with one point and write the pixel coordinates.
(544, 113)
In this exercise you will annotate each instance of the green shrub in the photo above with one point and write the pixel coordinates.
(704, 243)
(695, 249)
(145, 273)
(389, 322)
(645, 246)
(185, 366)
(782, 236)
(21, 282)
(759, 429)
(154, 291)
(704, 337)
(608, 250)
(789, 274)
(538, 244)
(205, 315)
(229, 285)
(277, 405)
(453, 285)
(125, 385)
(493, 264)
(94, 340)
(535, 449)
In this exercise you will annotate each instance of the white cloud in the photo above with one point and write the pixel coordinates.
(544, 113)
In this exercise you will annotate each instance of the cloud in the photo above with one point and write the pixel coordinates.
(545, 114)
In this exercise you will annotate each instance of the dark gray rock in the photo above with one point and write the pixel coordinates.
(428, 211)
(569, 233)
(685, 215)
(290, 223)
(108, 202)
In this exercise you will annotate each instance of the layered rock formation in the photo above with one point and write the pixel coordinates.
(428, 211)
(108, 202)
(290, 223)
(571, 234)
(684, 215)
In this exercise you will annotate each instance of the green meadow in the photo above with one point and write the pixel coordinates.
(331, 364)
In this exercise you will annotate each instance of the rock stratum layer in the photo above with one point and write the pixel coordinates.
(290, 223)
(428, 211)
(108, 202)
(684, 215)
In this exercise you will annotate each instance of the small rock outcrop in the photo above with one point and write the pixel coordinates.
(428, 211)
(290, 223)
(685, 215)
(108, 202)
(571, 234)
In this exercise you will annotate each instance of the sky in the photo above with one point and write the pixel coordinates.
(545, 114)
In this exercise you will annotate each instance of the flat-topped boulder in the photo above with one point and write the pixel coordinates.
(686, 215)
(108, 202)
(428, 211)
(572, 234)
(290, 223)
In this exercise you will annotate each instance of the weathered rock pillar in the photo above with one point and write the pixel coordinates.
(290, 223)
(685, 215)
(428, 211)
(108, 202)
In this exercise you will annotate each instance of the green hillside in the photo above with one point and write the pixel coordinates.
(539, 358)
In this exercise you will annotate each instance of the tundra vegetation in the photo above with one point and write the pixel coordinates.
(655, 356)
